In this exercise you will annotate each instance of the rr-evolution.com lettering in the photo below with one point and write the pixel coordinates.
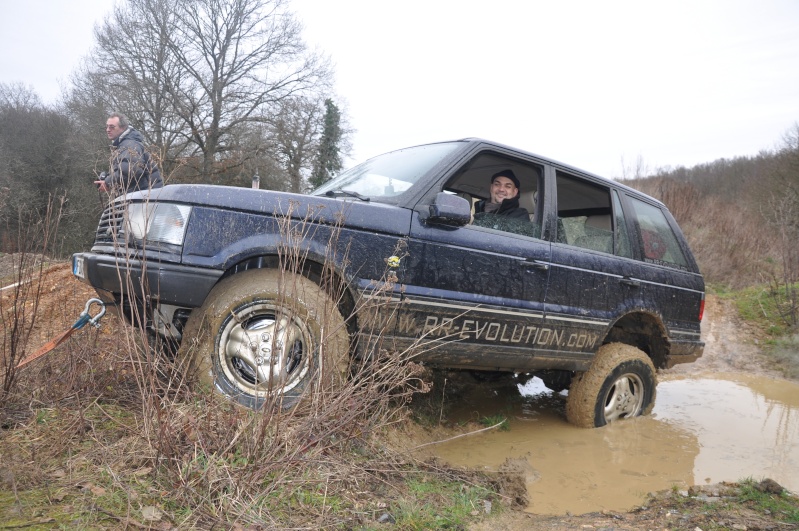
(493, 331)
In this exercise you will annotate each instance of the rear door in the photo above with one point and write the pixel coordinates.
(667, 277)
(586, 273)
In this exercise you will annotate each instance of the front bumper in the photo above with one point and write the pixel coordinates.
(115, 278)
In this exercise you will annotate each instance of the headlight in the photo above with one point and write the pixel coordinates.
(157, 222)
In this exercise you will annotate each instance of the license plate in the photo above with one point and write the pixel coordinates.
(78, 267)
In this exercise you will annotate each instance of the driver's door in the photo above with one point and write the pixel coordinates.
(472, 297)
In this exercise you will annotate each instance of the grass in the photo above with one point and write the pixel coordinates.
(762, 305)
(756, 305)
(783, 506)
(86, 462)
(79, 469)
(493, 420)
(747, 504)
(91, 484)
(785, 352)
(440, 504)
(759, 306)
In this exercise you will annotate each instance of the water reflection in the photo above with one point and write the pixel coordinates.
(747, 426)
(702, 430)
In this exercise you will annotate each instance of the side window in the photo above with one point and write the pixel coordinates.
(660, 243)
(622, 237)
(518, 215)
(584, 214)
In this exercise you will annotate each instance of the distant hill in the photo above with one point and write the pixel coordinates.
(741, 215)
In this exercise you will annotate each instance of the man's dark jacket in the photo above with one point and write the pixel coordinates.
(132, 168)
(509, 207)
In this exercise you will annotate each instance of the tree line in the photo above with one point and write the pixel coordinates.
(220, 90)
(741, 218)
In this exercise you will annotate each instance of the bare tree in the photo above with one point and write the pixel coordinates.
(638, 170)
(782, 212)
(241, 59)
(295, 131)
(195, 75)
(18, 96)
(130, 71)
(788, 162)
(306, 140)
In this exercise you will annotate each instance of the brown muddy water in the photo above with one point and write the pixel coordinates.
(702, 430)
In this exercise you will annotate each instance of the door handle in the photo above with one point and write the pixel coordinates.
(630, 282)
(535, 264)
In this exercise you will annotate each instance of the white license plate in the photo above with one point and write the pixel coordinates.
(78, 267)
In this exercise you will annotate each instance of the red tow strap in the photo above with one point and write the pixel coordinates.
(82, 321)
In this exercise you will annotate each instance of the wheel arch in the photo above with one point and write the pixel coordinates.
(645, 331)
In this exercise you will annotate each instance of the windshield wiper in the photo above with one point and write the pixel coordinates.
(349, 193)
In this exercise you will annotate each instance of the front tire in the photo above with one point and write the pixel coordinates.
(266, 335)
(621, 383)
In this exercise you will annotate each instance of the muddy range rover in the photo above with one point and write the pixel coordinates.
(268, 294)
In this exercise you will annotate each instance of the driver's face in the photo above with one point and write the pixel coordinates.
(502, 188)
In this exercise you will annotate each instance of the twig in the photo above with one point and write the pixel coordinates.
(497, 425)
(441, 413)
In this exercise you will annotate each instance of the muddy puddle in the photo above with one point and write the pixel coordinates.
(702, 430)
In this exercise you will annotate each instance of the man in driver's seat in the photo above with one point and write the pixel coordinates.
(504, 197)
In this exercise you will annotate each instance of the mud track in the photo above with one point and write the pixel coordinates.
(731, 346)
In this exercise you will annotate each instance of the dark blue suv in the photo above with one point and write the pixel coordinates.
(272, 295)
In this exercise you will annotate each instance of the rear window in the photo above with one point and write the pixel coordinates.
(660, 245)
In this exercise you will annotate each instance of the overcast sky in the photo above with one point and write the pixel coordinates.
(590, 83)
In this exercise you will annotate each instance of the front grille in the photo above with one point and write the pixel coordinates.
(111, 229)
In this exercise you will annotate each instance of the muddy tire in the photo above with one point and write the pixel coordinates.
(621, 383)
(266, 335)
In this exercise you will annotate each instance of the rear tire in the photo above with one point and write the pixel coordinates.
(265, 335)
(621, 383)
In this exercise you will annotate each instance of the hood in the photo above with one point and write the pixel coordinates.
(128, 134)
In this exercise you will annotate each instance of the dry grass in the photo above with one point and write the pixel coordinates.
(102, 433)
(92, 438)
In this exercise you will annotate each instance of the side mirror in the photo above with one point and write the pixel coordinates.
(449, 209)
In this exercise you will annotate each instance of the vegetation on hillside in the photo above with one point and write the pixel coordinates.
(741, 215)
(741, 218)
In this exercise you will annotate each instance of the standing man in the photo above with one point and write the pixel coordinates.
(132, 168)
(504, 197)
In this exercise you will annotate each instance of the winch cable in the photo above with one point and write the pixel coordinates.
(84, 319)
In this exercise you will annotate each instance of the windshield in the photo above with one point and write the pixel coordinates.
(390, 174)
